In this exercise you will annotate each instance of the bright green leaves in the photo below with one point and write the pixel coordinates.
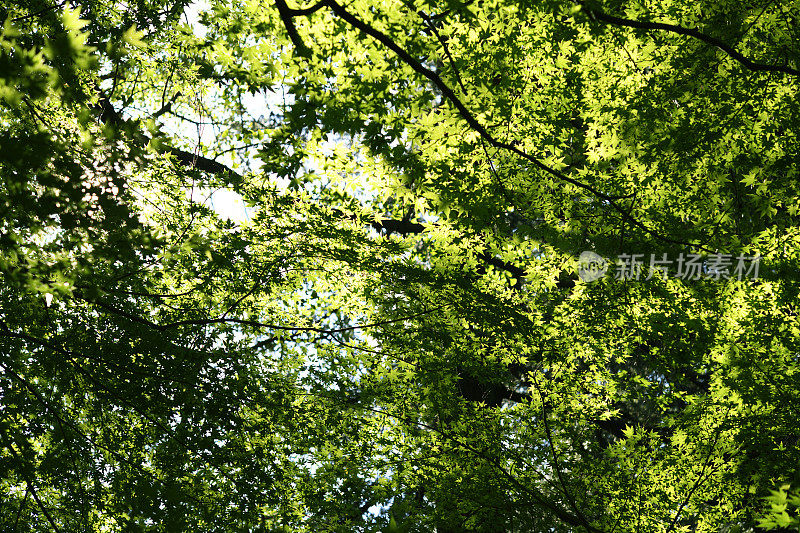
(23, 72)
(395, 338)
(46, 116)
(781, 502)
(69, 54)
(69, 45)
(133, 37)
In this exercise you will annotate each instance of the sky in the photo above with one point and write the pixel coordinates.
(226, 203)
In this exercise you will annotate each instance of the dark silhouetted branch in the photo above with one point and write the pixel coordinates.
(689, 32)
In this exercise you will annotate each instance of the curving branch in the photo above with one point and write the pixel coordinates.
(252, 323)
(465, 113)
(613, 201)
(690, 32)
(287, 16)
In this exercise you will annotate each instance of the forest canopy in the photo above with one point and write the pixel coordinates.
(496, 266)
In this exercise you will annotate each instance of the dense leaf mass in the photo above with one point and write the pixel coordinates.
(391, 323)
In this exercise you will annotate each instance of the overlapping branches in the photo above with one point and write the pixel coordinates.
(612, 201)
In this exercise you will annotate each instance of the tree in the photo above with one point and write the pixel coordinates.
(400, 338)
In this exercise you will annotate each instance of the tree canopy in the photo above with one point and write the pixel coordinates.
(505, 266)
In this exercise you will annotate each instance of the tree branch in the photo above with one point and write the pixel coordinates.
(690, 32)
(406, 227)
(474, 123)
(109, 115)
(199, 162)
(30, 486)
(287, 16)
(251, 323)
